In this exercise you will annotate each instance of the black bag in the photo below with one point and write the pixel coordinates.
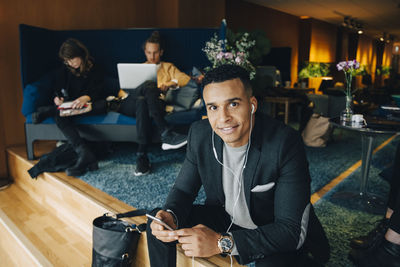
(115, 241)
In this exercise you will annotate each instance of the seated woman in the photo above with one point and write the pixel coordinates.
(78, 82)
(145, 104)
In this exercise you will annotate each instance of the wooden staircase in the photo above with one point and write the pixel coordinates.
(48, 221)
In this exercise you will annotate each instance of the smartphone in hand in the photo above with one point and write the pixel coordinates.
(158, 220)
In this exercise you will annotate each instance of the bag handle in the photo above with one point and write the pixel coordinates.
(132, 213)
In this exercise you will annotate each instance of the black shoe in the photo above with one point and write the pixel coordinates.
(42, 113)
(4, 183)
(387, 254)
(86, 162)
(172, 140)
(113, 103)
(373, 238)
(142, 165)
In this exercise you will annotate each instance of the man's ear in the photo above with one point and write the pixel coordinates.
(161, 52)
(253, 101)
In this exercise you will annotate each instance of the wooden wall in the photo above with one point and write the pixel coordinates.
(282, 29)
(323, 42)
(366, 55)
(77, 14)
(322, 46)
(204, 13)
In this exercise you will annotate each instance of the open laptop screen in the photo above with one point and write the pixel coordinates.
(131, 75)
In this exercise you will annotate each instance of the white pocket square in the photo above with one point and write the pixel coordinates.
(263, 188)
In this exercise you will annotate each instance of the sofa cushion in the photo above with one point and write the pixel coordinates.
(183, 98)
(37, 94)
(113, 118)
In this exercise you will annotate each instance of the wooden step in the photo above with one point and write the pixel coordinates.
(13, 242)
(75, 203)
(57, 240)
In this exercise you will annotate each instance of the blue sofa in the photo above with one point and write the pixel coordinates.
(39, 57)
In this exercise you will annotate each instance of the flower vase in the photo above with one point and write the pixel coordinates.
(347, 113)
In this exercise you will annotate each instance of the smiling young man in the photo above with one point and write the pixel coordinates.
(256, 180)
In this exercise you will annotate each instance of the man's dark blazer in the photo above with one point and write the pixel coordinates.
(276, 158)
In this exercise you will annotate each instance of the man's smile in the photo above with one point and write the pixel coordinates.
(228, 129)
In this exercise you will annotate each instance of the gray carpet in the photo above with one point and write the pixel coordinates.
(340, 218)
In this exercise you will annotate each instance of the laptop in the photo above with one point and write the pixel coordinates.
(131, 75)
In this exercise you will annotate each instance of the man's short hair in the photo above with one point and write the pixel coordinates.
(229, 72)
(154, 38)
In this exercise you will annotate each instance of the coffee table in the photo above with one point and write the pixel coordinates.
(367, 201)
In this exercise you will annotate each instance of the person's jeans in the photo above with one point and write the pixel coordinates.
(144, 104)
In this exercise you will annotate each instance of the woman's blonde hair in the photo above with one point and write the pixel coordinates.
(73, 48)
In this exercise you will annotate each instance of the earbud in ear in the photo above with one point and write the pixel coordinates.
(252, 108)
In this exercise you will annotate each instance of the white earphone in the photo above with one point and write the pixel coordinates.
(252, 108)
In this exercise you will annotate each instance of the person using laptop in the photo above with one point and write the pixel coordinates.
(145, 105)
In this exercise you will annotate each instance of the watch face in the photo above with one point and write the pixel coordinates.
(226, 244)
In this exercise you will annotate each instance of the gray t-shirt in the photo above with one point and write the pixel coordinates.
(235, 201)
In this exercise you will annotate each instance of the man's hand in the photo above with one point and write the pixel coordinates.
(80, 102)
(164, 87)
(58, 100)
(159, 231)
(199, 241)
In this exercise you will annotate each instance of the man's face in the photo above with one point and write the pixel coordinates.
(229, 111)
(153, 53)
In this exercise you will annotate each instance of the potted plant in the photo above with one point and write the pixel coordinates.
(312, 70)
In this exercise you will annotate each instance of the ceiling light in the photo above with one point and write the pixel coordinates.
(396, 48)
(352, 23)
(360, 32)
(346, 21)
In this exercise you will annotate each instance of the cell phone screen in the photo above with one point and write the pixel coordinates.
(159, 221)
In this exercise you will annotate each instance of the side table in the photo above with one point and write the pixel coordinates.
(281, 100)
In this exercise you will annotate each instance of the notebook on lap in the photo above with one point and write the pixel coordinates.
(131, 75)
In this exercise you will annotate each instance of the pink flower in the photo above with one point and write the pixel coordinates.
(220, 55)
(228, 55)
(348, 65)
(238, 59)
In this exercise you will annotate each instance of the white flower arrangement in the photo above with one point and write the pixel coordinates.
(220, 52)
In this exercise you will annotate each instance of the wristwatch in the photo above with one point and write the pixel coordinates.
(225, 243)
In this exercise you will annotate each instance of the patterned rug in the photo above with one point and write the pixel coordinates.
(340, 218)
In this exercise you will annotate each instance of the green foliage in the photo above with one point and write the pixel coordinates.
(314, 69)
(261, 48)
(363, 70)
(383, 70)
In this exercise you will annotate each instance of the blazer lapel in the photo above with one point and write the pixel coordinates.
(216, 168)
(252, 162)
